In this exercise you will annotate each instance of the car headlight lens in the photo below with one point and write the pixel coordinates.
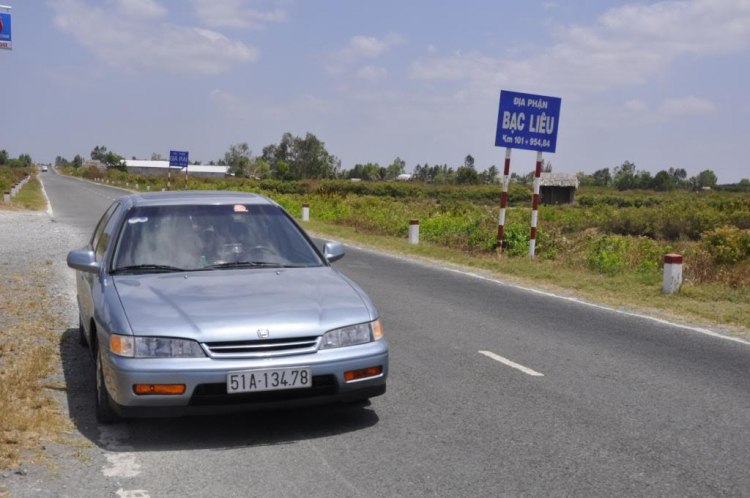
(353, 335)
(154, 347)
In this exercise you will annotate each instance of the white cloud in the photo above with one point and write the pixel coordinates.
(628, 45)
(549, 5)
(432, 48)
(234, 14)
(368, 47)
(372, 73)
(635, 105)
(687, 106)
(141, 9)
(359, 48)
(138, 46)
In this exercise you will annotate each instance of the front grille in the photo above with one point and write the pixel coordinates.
(262, 347)
(216, 394)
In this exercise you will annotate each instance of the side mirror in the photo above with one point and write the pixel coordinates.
(83, 260)
(334, 251)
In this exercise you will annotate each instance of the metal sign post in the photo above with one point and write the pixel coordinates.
(528, 122)
(179, 159)
(503, 202)
(6, 39)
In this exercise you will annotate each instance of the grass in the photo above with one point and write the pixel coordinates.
(28, 355)
(636, 291)
(30, 197)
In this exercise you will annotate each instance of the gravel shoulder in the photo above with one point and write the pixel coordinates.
(38, 309)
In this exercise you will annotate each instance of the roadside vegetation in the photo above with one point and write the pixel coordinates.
(30, 197)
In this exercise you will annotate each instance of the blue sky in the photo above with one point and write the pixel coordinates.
(662, 84)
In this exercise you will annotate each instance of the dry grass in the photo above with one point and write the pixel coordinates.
(29, 353)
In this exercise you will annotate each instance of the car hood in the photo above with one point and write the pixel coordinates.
(231, 305)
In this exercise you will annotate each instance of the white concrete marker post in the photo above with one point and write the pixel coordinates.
(148, 188)
(136, 187)
(162, 189)
(305, 212)
(414, 232)
(6, 197)
(672, 273)
(14, 191)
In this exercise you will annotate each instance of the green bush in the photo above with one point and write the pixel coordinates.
(727, 245)
(612, 254)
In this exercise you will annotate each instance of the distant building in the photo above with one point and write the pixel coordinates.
(404, 177)
(558, 188)
(158, 168)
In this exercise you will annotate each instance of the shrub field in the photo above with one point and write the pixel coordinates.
(606, 231)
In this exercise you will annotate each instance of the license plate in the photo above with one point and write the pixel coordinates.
(274, 379)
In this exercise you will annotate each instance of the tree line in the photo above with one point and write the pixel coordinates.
(627, 177)
(22, 160)
(302, 158)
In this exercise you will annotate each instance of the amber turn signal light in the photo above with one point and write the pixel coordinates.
(159, 388)
(363, 373)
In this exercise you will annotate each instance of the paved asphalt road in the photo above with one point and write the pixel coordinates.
(625, 406)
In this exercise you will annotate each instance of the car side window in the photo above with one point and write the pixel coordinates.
(106, 235)
(102, 223)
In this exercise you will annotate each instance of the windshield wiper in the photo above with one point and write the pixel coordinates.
(249, 264)
(155, 268)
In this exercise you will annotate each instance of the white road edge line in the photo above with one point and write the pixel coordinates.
(513, 364)
(550, 294)
(49, 204)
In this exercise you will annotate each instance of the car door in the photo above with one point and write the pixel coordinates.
(101, 251)
(85, 280)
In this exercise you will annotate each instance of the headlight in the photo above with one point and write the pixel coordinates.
(154, 347)
(353, 335)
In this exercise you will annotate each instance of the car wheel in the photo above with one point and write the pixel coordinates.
(104, 412)
(81, 334)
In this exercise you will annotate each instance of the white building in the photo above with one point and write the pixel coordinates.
(158, 168)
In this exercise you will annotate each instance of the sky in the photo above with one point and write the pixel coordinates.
(661, 84)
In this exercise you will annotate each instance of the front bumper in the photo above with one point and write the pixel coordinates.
(204, 378)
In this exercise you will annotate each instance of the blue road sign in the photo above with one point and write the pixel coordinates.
(178, 158)
(528, 121)
(6, 41)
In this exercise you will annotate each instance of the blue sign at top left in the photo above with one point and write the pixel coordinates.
(178, 158)
(6, 41)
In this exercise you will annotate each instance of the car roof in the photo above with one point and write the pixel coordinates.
(195, 197)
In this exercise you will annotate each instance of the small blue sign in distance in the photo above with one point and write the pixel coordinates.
(6, 40)
(527, 121)
(178, 158)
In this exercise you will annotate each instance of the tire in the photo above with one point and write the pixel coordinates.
(81, 334)
(104, 412)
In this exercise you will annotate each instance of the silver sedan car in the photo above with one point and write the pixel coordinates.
(207, 302)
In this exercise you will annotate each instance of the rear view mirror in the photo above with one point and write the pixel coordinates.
(334, 251)
(83, 260)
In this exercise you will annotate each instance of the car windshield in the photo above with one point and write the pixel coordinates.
(174, 238)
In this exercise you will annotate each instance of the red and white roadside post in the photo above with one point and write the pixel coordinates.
(305, 212)
(14, 190)
(672, 273)
(413, 231)
(535, 204)
(503, 202)
(6, 197)
(169, 177)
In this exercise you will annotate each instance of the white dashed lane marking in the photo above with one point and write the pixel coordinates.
(513, 364)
